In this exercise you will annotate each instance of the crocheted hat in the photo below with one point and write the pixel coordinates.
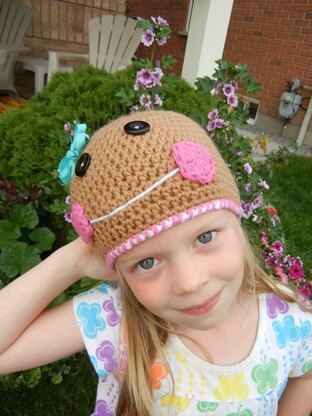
(144, 173)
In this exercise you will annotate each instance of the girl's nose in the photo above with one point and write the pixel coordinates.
(188, 275)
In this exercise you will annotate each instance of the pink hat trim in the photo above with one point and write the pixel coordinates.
(169, 223)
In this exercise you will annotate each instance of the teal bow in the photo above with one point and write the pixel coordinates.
(67, 164)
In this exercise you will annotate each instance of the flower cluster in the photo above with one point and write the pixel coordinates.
(155, 31)
(257, 214)
(148, 78)
(229, 90)
(284, 266)
(214, 121)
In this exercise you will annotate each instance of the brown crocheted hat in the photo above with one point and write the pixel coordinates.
(144, 173)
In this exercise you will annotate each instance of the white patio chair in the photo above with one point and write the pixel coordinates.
(113, 40)
(14, 20)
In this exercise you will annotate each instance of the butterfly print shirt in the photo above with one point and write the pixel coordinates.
(283, 349)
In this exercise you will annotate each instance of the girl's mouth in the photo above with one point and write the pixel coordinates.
(204, 307)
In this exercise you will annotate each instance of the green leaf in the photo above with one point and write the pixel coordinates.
(205, 84)
(18, 259)
(126, 96)
(43, 237)
(168, 61)
(9, 233)
(24, 215)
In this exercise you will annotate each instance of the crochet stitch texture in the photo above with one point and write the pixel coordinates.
(124, 165)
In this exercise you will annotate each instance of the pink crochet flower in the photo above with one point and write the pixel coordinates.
(81, 224)
(194, 161)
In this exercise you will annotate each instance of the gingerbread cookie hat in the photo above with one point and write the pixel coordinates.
(142, 174)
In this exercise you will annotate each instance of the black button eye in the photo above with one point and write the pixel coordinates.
(137, 127)
(82, 164)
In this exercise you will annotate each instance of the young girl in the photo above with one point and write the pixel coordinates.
(190, 324)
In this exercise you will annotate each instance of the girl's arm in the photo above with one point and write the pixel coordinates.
(31, 336)
(297, 398)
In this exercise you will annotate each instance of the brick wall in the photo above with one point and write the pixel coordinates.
(175, 11)
(63, 24)
(274, 37)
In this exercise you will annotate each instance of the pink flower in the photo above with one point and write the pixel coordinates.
(264, 240)
(81, 224)
(280, 273)
(277, 246)
(194, 161)
(296, 272)
(248, 187)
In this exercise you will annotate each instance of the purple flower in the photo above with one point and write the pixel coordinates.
(218, 89)
(248, 187)
(161, 21)
(158, 74)
(263, 184)
(67, 217)
(248, 168)
(213, 114)
(158, 100)
(257, 202)
(144, 78)
(134, 109)
(67, 126)
(211, 125)
(148, 37)
(161, 41)
(232, 100)
(219, 123)
(228, 90)
(248, 209)
(67, 200)
(235, 85)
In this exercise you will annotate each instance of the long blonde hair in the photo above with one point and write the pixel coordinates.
(147, 334)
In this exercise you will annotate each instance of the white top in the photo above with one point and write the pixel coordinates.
(283, 348)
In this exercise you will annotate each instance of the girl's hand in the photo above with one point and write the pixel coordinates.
(92, 263)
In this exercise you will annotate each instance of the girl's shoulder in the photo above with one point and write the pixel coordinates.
(98, 293)
(98, 313)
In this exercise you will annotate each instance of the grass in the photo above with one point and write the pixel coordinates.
(74, 396)
(291, 190)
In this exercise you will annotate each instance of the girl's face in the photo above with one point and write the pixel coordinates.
(190, 274)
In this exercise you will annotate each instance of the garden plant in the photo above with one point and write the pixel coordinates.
(33, 199)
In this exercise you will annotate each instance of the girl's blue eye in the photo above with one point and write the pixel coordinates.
(206, 237)
(147, 264)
